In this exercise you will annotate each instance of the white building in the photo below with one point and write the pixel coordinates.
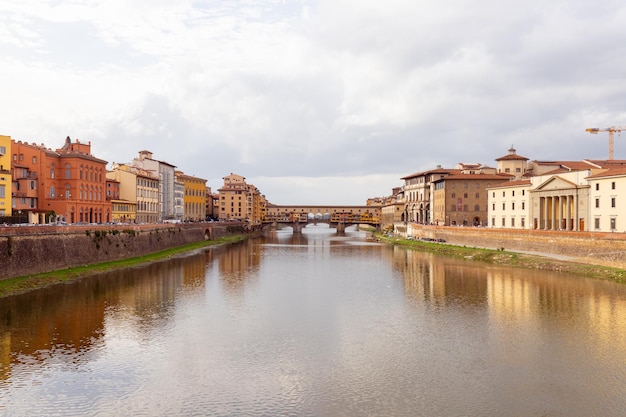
(509, 205)
(607, 195)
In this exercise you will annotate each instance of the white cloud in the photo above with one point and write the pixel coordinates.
(297, 90)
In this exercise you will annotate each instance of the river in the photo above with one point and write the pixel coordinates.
(316, 325)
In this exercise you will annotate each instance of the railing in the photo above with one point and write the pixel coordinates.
(335, 218)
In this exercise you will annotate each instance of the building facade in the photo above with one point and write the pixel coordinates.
(165, 173)
(608, 199)
(194, 197)
(418, 193)
(509, 205)
(6, 177)
(461, 199)
(74, 184)
(241, 201)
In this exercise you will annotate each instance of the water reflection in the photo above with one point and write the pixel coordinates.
(316, 324)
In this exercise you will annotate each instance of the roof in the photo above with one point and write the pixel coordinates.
(611, 172)
(515, 183)
(501, 177)
(512, 156)
(431, 171)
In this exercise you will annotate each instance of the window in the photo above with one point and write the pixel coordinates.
(507, 169)
(476, 207)
(34, 159)
(477, 195)
(513, 206)
(465, 195)
(493, 207)
(596, 223)
(52, 191)
(67, 171)
(523, 192)
(3, 150)
(503, 206)
(493, 221)
(613, 223)
(513, 222)
(503, 193)
(453, 207)
(597, 186)
(523, 205)
(523, 222)
(52, 171)
(493, 194)
(613, 202)
(613, 185)
(503, 222)
(597, 202)
(513, 193)
(2, 191)
(518, 169)
(453, 195)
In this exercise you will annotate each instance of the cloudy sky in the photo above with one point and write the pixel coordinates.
(315, 101)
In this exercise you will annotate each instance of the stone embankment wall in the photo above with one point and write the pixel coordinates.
(608, 249)
(33, 249)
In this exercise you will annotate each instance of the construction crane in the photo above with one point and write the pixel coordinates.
(611, 131)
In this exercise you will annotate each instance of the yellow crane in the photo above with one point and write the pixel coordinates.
(611, 131)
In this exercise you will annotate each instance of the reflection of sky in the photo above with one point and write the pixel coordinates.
(334, 326)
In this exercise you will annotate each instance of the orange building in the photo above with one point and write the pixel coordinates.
(68, 182)
(75, 184)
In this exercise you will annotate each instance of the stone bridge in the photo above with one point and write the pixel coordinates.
(338, 217)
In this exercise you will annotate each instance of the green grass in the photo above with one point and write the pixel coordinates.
(502, 257)
(26, 283)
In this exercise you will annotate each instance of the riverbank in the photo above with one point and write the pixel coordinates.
(18, 285)
(549, 262)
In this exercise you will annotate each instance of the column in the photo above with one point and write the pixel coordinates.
(553, 199)
(569, 223)
(544, 221)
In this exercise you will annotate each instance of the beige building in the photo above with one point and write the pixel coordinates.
(461, 199)
(126, 197)
(607, 191)
(392, 209)
(555, 195)
(165, 173)
(418, 193)
(241, 201)
(509, 205)
(147, 196)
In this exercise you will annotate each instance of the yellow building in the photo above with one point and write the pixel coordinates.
(194, 198)
(124, 211)
(6, 181)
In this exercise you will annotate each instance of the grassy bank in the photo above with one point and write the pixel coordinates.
(26, 283)
(502, 257)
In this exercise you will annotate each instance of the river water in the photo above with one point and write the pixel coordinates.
(316, 325)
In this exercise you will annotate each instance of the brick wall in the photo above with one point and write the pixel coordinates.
(607, 249)
(35, 249)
